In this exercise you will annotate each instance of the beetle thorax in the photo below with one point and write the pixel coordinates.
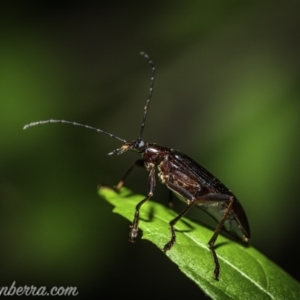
(154, 155)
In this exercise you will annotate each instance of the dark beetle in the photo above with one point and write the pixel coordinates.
(185, 178)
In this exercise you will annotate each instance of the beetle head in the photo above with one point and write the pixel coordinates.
(136, 146)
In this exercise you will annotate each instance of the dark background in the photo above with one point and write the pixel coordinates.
(226, 93)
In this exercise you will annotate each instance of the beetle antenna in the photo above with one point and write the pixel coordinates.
(75, 124)
(146, 56)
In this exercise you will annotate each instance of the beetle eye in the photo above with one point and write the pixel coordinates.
(141, 146)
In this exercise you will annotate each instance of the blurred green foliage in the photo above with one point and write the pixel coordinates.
(226, 94)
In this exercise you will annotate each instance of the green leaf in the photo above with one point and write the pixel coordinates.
(245, 272)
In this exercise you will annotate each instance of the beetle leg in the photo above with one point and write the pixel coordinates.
(139, 163)
(217, 198)
(186, 194)
(213, 239)
(151, 185)
(191, 200)
(172, 241)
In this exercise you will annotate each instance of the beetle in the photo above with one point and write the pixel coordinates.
(189, 181)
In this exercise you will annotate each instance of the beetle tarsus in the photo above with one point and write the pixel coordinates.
(133, 233)
(216, 261)
(134, 227)
(169, 245)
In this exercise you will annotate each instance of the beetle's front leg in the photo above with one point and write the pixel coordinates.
(139, 163)
(151, 185)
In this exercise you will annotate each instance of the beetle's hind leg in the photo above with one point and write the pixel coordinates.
(213, 239)
(191, 200)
